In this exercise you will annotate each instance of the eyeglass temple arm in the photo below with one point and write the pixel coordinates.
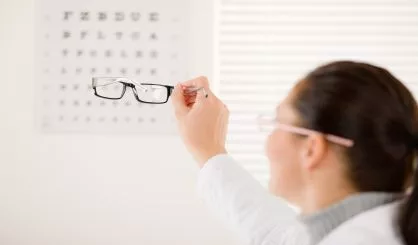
(94, 83)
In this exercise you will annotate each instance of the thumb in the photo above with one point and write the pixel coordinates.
(201, 96)
(178, 101)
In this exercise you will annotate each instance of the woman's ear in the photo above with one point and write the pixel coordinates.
(313, 151)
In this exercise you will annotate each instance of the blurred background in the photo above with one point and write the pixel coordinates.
(135, 183)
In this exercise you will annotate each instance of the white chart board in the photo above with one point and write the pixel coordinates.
(76, 40)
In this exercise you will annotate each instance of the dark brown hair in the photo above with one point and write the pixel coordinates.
(369, 105)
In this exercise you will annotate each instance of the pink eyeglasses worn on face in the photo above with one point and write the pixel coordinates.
(269, 123)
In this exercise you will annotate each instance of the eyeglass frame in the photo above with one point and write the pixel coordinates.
(272, 121)
(133, 85)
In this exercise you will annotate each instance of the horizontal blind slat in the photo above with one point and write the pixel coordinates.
(266, 46)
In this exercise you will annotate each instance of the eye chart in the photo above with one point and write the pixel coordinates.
(80, 39)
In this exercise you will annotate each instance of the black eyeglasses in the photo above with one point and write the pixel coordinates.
(114, 88)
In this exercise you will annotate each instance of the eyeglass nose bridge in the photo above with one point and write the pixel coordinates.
(128, 84)
(131, 83)
(133, 87)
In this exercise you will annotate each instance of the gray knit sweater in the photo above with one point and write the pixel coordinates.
(323, 222)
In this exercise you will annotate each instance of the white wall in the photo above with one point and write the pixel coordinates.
(93, 189)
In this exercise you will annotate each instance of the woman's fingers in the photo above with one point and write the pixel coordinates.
(203, 126)
(191, 100)
(197, 83)
(192, 90)
(178, 100)
(194, 96)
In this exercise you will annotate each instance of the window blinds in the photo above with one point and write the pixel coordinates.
(264, 47)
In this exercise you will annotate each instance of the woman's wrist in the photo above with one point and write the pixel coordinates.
(204, 157)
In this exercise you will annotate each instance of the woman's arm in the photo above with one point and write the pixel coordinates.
(243, 203)
(229, 190)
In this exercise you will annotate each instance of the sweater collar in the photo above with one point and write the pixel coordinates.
(323, 222)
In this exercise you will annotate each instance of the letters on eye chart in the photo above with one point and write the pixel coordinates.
(106, 16)
(140, 39)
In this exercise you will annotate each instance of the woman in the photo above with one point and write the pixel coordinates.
(342, 150)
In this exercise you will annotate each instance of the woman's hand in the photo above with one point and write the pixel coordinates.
(202, 121)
